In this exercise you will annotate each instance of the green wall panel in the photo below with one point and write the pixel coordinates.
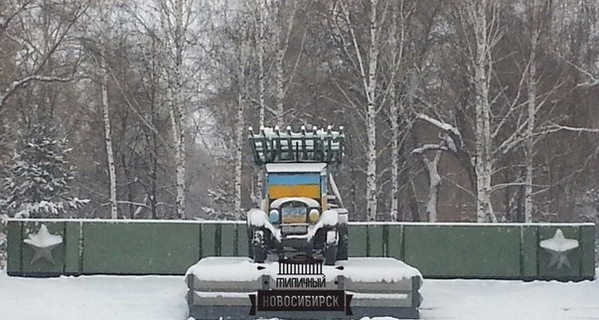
(529, 251)
(228, 240)
(587, 243)
(139, 248)
(439, 251)
(557, 270)
(209, 244)
(72, 238)
(242, 244)
(376, 241)
(358, 243)
(58, 253)
(15, 242)
(395, 241)
(463, 251)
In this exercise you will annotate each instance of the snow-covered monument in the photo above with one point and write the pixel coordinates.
(298, 250)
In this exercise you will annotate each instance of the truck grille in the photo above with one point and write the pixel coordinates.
(294, 229)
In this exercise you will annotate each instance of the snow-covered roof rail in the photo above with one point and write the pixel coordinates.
(272, 145)
(296, 167)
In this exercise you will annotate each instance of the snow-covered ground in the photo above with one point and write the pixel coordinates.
(162, 298)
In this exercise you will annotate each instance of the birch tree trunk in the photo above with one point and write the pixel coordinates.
(179, 139)
(368, 76)
(261, 75)
(532, 107)
(394, 113)
(373, 51)
(260, 8)
(282, 35)
(178, 109)
(108, 137)
(240, 125)
(396, 109)
(239, 158)
(101, 60)
(280, 89)
(483, 162)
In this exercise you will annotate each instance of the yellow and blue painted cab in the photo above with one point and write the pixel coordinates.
(294, 182)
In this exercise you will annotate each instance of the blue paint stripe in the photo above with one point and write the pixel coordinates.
(293, 179)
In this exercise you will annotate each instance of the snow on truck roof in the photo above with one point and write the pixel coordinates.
(295, 167)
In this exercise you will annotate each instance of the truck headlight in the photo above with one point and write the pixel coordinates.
(314, 215)
(273, 217)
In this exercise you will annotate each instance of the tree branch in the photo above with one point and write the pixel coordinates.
(23, 82)
(593, 80)
(557, 127)
(428, 147)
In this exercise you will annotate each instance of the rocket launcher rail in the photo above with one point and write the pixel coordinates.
(317, 145)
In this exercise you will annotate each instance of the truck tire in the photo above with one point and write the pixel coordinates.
(258, 246)
(330, 255)
(259, 254)
(249, 242)
(342, 251)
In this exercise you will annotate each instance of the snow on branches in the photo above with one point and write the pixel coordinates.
(38, 181)
(450, 137)
(450, 140)
(22, 82)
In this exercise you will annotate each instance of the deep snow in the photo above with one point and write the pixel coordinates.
(162, 297)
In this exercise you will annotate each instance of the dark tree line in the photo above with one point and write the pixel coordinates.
(461, 110)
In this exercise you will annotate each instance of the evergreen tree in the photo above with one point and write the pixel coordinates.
(38, 182)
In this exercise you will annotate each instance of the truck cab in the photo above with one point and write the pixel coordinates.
(301, 212)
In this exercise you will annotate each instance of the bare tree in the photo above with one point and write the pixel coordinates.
(278, 17)
(107, 134)
(242, 62)
(99, 52)
(399, 18)
(178, 112)
(367, 68)
(479, 17)
(432, 168)
(35, 62)
(176, 18)
(450, 140)
(531, 83)
(259, 31)
(282, 33)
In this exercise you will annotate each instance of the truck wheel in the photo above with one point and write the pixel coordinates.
(343, 244)
(258, 246)
(250, 250)
(342, 247)
(259, 254)
(330, 255)
(250, 232)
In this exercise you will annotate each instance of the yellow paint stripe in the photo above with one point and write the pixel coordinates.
(308, 191)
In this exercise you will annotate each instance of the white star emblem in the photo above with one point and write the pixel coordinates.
(558, 247)
(42, 244)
